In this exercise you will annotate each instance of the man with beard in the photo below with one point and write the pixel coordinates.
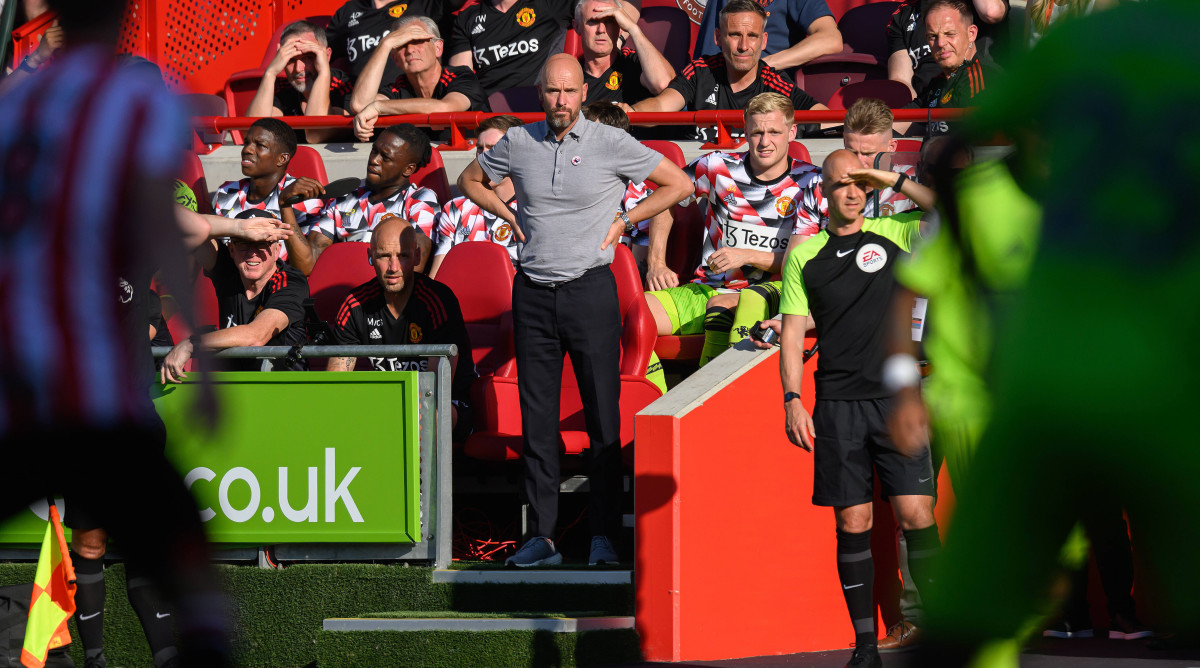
(569, 174)
(312, 87)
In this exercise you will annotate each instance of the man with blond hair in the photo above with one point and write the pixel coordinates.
(867, 133)
(756, 206)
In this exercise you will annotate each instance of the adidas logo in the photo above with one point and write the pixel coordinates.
(478, 29)
(375, 334)
(711, 99)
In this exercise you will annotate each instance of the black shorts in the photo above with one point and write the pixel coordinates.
(852, 443)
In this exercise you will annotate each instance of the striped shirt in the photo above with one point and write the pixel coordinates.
(233, 197)
(351, 218)
(75, 140)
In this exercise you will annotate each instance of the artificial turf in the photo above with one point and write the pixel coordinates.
(278, 614)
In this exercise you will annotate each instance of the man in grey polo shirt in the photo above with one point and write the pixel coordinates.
(569, 174)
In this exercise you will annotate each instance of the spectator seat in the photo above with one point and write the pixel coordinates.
(863, 57)
(518, 99)
(204, 104)
(893, 93)
(669, 30)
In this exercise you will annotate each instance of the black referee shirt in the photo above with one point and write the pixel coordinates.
(846, 283)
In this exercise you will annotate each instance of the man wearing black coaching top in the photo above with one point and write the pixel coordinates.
(731, 78)
(401, 307)
(359, 25)
(424, 85)
(260, 299)
(506, 41)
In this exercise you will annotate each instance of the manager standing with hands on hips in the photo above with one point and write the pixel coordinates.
(569, 175)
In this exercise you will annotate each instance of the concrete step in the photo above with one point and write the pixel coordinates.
(552, 624)
(533, 576)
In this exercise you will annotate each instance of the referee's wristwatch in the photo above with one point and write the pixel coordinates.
(628, 225)
(788, 396)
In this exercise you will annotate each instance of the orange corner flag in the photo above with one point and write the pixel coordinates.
(53, 600)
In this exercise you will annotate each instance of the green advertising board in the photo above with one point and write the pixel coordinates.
(313, 457)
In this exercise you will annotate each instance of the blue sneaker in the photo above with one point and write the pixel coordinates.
(538, 551)
(602, 552)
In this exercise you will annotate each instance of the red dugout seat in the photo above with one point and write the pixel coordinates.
(498, 434)
(308, 162)
(480, 274)
(798, 151)
(193, 175)
(433, 176)
(340, 268)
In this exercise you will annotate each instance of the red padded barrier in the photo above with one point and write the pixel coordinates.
(688, 468)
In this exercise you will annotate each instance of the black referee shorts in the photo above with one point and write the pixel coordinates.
(852, 443)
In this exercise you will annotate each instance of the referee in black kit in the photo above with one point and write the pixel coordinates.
(569, 175)
(843, 279)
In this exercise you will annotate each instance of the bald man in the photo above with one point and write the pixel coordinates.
(845, 272)
(401, 307)
(569, 179)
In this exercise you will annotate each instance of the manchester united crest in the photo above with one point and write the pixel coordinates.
(414, 333)
(614, 81)
(398, 11)
(526, 17)
(946, 97)
(503, 232)
(785, 206)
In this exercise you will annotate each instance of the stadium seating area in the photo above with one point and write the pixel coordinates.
(224, 86)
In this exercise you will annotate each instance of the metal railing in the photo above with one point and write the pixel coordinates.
(459, 121)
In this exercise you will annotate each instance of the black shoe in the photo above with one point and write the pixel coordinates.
(866, 656)
(1068, 629)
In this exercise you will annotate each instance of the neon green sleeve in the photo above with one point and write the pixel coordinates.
(795, 295)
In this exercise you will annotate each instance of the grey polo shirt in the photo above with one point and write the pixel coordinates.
(568, 192)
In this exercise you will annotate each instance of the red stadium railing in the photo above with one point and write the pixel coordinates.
(459, 121)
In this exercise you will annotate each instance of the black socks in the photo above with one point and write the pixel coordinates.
(154, 616)
(924, 545)
(856, 570)
(89, 602)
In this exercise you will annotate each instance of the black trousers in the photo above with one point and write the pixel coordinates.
(579, 318)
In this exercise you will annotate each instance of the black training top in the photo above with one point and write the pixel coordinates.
(453, 80)
(431, 316)
(906, 32)
(704, 85)
(288, 100)
(286, 291)
(846, 283)
(620, 83)
(508, 48)
(357, 27)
